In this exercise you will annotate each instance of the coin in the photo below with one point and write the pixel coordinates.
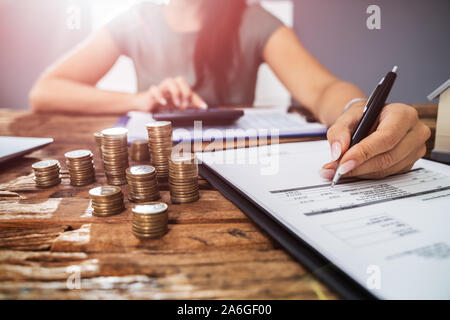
(139, 150)
(47, 184)
(149, 236)
(160, 146)
(143, 184)
(108, 204)
(141, 170)
(114, 132)
(183, 178)
(46, 173)
(149, 219)
(45, 165)
(78, 154)
(106, 200)
(104, 191)
(115, 154)
(80, 164)
(98, 141)
(50, 172)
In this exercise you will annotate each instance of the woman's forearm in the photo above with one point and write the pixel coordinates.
(61, 95)
(333, 99)
(306, 79)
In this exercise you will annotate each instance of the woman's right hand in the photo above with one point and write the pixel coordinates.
(172, 93)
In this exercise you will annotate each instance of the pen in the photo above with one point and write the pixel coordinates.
(372, 110)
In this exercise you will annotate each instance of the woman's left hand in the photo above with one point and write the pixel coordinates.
(396, 144)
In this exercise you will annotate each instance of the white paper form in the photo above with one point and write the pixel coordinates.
(391, 235)
(256, 121)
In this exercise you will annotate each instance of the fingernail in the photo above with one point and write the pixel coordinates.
(163, 101)
(185, 104)
(204, 105)
(335, 151)
(347, 166)
(326, 174)
(178, 102)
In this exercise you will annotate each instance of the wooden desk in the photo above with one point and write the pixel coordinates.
(212, 251)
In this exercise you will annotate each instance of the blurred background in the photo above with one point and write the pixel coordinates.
(413, 34)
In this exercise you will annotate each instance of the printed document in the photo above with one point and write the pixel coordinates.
(391, 235)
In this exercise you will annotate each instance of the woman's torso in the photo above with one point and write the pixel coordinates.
(158, 52)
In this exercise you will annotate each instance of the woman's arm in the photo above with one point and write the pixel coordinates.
(306, 79)
(69, 85)
(398, 140)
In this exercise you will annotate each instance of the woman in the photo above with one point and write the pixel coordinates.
(195, 53)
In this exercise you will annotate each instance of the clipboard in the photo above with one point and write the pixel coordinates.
(312, 260)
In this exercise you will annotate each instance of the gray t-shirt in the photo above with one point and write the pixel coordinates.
(158, 52)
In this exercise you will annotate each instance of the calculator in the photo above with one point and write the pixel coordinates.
(208, 117)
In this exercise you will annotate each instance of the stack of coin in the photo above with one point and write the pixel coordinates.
(46, 173)
(160, 146)
(183, 178)
(98, 140)
(139, 150)
(106, 201)
(149, 220)
(81, 167)
(143, 184)
(115, 155)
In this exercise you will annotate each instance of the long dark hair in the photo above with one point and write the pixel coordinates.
(217, 42)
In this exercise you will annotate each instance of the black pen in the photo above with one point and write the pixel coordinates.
(372, 110)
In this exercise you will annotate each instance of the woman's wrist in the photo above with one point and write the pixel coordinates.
(333, 100)
(355, 101)
(139, 101)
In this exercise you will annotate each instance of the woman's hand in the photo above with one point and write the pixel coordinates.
(396, 144)
(172, 93)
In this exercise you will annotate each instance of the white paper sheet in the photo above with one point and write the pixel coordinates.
(254, 123)
(390, 235)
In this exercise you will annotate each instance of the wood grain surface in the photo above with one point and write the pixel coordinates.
(49, 236)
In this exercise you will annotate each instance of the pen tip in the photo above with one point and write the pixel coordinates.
(395, 69)
(332, 184)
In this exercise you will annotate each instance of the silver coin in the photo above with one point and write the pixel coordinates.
(78, 154)
(138, 170)
(114, 131)
(150, 208)
(158, 124)
(183, 158)
(104, 191)
(45, 164)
